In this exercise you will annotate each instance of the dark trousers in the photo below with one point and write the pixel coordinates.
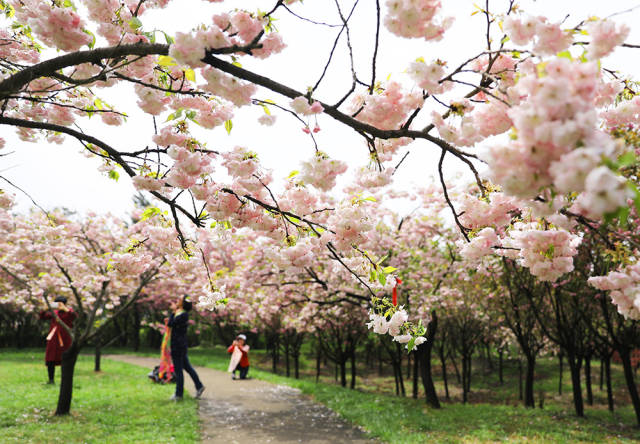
(180, 362)
(243, 371)
(51, 370)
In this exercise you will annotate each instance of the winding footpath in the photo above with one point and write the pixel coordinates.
(254, 411)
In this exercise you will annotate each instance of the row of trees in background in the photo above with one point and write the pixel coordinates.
(126, 274)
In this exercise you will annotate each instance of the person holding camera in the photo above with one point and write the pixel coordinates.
(178, 322)
(58, 338)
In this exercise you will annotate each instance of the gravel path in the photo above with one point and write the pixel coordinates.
(254, 411)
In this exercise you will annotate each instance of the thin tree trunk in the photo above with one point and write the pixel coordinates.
(96, 360)
(607, 371)
(560, 375)
(415, 374)
(65, 395)
(574, 367)
(455, 367)
(353, 369)
(318, 362)
(528, 392)
(296, 365)
(500, 367)
(631, 385)
(464, 380)
(521, 394)
(587, 378)
(343, 372)
(136, 327)
(286, 357)
(443, 363)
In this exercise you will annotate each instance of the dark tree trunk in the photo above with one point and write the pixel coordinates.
(574, 367)
(286, 357)
(353, 369)
(631, 385)
(500, 368)
(423, 353)
(136, 328)
(560, 375)
(465, 384)
(443, 363)
(296, 365)
(415, 374)
(587, 378)
(96, 360)
(318, 362)
(528, 388)
(455, 367)
(521, 394)
(343, 373)
(607, 370)
(69, 359)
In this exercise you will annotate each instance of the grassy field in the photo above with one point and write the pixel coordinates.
(112, 404)
(117, 405)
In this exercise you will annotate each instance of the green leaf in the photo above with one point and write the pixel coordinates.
(382, 278)
(388, 270)
(411, 344)
(628, 158)
(293, 174)
(190, 75)
(150, 212)
(166, 61)
(168, 38)
(373, 276)
(135, 23)
(92, 43)
(113, 174)
(228, 125)
(565, 55)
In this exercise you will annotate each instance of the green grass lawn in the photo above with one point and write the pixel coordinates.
(120, 405)
(117, 405)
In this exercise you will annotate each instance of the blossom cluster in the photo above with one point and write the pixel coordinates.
(624, 288)
(416, 19)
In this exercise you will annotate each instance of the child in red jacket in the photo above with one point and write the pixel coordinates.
(239, 357)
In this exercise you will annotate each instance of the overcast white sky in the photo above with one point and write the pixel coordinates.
(57, 176)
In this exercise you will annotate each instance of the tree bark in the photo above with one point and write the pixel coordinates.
(607, 370)
(587, 378)
(353, 369)
(500, 368)
(318, 362)
(423, 353)
(96, 360)
(574, 367)
(415, 374)
(286, 357)
(528, 388)
(69, 359)
(560, 375)
(343, 373)
(520, 391)
(631, 385)
(443, 363)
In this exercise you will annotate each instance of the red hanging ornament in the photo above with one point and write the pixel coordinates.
(394, 294)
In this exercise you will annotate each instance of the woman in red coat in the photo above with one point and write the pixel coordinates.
(58, 339)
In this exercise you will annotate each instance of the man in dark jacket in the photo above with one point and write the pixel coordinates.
(178, 322)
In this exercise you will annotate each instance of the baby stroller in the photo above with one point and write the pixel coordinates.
(164, 372)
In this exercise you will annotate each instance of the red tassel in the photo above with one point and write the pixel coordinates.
(394, 294)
